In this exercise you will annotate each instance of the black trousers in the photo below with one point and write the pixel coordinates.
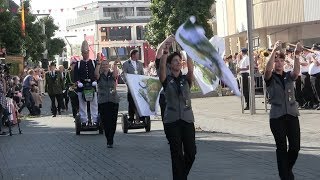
(65, 100)
(307, 90)
(53, 98)
(163, 104)
(74, 105)
(132, 107)
(298, 92)
(181, 137)
(28, 101)
(315, 84)
(245, 87)
(109, 115)
(283, 128)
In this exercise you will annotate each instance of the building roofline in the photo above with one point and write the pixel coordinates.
(107, 21)
(113, 1)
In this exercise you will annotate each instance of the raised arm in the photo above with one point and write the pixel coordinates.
(97, 70)
(164, 48)
(269, 66)
(190, 65)
(115, 68)
(296, 67)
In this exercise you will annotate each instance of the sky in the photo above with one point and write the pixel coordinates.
(56, 5)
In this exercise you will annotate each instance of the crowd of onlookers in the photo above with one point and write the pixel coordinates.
(307, 86)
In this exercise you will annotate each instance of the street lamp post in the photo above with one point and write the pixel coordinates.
(250, 48)
(66, 37)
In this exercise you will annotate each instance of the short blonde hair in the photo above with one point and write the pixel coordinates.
(30, 72)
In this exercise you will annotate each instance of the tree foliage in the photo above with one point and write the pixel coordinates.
(11, 36)
(168, 15)
(55, 46)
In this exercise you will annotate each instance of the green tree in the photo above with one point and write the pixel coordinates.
(11, 36)
(55, 46)
(10, 33)
(168, 15)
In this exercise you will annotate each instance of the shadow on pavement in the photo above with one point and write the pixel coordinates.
(52, 149)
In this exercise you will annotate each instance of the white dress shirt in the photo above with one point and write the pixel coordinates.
(134, 64)
(244, 63)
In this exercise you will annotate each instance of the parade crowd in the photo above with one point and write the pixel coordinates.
(291, 76)
(307, 85)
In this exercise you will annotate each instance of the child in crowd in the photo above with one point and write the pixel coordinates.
(37, 100)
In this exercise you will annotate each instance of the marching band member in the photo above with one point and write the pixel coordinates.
(84, 73)
(284, 121)
(108, 98)
(178, 117)
(314, 71)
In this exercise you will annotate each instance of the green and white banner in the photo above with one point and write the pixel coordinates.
(145, 92)
(192, 39)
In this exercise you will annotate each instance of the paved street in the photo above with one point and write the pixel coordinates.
(230, 146)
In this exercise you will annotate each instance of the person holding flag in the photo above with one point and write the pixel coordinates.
(284, 121)
(178, 116)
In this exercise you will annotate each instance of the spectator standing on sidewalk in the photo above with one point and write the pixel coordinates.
(26, 88)
(284, 121)
(243, 68)
(178, 117)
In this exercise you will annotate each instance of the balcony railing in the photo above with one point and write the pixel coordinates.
(118, 15)
(143, 13)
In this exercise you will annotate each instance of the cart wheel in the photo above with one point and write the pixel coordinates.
(148, 123)
(78, 125)
(124, 123)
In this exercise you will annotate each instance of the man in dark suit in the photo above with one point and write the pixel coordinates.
(132, 66)
(65, 79)
(54, 87)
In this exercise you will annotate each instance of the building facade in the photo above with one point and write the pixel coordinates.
(285, 20)
(117, 26)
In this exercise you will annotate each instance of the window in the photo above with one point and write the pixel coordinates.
(116, 33)
(118, 13)
(143, 11)
(140, 33)
(256, 43)
(123, 53)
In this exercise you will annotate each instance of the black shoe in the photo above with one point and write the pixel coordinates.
(3, 133)
(83, 124)
(318, 108)
(59, 112)
(130, 119)
(109, 146)
(53, 115)
(247, 108)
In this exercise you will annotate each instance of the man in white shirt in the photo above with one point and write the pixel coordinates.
(132, 66)
(314, 71)
(243, 68)
(306, 88)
